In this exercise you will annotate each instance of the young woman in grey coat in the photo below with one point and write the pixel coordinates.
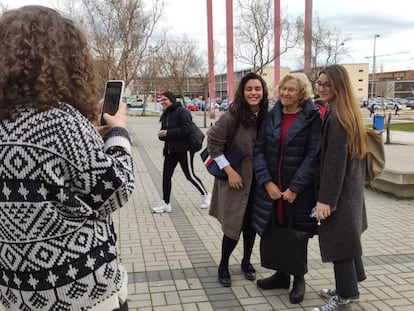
(341, 169)
(232, 199)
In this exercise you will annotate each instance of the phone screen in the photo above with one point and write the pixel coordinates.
(112, 97)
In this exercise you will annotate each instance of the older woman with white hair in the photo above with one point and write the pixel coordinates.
(284, 168)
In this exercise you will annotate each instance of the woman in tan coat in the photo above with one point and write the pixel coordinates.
(231, 201)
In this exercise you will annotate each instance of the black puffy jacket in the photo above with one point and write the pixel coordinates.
(177, 121)
(297, 169)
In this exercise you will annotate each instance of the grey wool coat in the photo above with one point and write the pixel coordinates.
(341, 183)
(228, 205)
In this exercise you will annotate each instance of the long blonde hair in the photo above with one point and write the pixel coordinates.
(345, 106)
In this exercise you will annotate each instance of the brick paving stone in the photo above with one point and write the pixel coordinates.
(172, 258)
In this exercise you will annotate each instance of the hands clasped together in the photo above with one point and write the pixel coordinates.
(275, 193)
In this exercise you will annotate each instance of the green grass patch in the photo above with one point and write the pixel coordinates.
(405, 127)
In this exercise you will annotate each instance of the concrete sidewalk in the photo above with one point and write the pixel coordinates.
(172, 258)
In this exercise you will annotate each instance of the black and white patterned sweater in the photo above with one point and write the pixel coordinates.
(59, 183)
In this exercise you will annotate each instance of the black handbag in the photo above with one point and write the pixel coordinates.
(284, 248)
(233, 154)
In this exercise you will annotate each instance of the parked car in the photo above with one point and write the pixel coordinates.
(224, 105)
(409, 104)
(133, 102)
(193, 107)
(272, 103)
(199, 103)
(376, 106)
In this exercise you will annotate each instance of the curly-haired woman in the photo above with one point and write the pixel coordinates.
(60, 179)
(232, 199)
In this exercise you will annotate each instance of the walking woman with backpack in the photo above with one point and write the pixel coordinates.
(176, 126)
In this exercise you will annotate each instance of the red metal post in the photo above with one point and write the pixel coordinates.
(308, 36)
(212, 82)
(277, 42)
(230, 51)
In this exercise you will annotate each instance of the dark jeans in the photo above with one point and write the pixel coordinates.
(347, 275)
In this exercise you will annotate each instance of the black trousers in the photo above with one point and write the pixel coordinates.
(347, 275)
(186, 160)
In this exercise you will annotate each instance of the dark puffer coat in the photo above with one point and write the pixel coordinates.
(297, 169)
(177, 121)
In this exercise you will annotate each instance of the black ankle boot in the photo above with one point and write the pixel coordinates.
(298, 290)
(248, 271)
(224, 276)
(277, 280)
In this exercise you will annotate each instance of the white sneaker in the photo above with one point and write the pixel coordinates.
(205, 200)
(329, 293)
(336, 303)
(162, 207)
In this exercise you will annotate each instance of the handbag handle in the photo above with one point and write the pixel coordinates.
(290, 212)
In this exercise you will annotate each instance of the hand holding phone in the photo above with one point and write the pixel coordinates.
(114, 90)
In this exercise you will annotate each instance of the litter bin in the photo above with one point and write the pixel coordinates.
(379, 122)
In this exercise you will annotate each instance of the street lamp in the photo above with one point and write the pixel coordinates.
(373, 67)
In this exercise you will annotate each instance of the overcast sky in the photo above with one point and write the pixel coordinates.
(358, 19)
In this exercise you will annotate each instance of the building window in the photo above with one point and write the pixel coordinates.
(361, 70)
(360, 80)
(360, 89)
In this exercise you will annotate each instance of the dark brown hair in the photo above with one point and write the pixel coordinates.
(44, 60)
(241, 109)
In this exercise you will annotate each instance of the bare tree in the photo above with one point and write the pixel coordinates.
(255, 34)
(328, 45)
(148, 78)
(179, 60)
(120, 33)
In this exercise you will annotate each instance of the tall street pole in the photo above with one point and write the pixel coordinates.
(230, 51)
(373, 67)
(211, 77)
(308, 36)
(276, 17)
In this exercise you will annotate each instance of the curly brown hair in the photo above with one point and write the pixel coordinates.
(45, 60)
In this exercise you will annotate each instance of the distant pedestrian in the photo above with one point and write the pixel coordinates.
(396, 109)
(371, 108)
(175, 129)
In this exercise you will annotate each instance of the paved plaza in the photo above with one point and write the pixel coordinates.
(172, 258)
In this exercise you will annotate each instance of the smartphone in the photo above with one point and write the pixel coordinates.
(114, 90)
